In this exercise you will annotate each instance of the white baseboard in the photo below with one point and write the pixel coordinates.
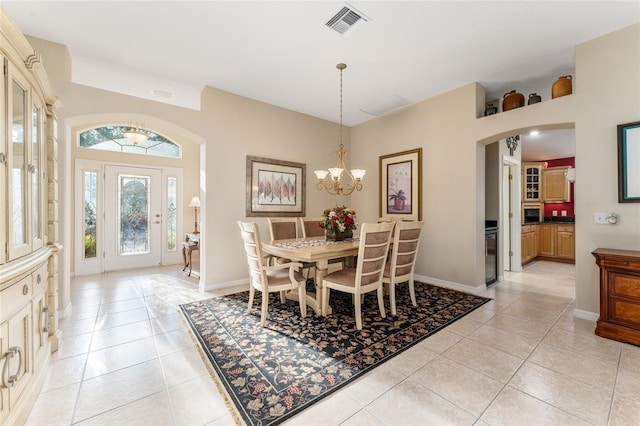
(218, 286)
(66, 312)
(586, 315)
(451, 285)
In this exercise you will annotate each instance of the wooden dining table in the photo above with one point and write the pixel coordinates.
(313, 249)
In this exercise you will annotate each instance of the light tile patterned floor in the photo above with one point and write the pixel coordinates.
(521, 359)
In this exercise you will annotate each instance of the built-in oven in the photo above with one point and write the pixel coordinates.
(531, 214)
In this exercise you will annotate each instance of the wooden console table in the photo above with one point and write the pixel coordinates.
(191, 243)
(619, 294)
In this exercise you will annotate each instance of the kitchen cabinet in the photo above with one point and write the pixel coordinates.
(29, 225)
(557, 241)
(565, 242)
(529, 243)
(547, 240)
(531, 182)
(555, 185)
(619, 294)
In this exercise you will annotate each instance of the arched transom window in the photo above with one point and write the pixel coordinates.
(112, 138)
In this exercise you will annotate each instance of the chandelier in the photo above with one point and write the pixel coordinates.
(331, 179)
(135, 133)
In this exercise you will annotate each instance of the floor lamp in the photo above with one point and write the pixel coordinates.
(195, 202)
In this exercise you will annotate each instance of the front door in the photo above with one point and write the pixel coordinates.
(133, 217)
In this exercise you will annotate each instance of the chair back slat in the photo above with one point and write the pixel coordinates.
(372, 253)
(283, 228)
(311, 227)
(406, 241)
(253, 249)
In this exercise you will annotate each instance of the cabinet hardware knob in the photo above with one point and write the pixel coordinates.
(625, 263)
(38, 279)
(47, 320)
(3, 158)
(25, 290)
(13, 378)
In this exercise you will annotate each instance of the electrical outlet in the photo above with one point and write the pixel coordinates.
(602, 218)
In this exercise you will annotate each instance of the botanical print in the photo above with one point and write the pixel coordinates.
(399, 187)
(276, 188)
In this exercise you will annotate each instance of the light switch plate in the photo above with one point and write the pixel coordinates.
(602, 218)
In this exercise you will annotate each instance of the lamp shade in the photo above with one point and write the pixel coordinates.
(195, 201)
(321, 174)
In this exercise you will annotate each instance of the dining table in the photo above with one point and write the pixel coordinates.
(316, 250)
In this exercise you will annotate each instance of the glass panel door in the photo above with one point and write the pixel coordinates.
(133, 217)
(19, 167)
(36, 172)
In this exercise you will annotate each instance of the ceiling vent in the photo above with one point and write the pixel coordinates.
(347, 21)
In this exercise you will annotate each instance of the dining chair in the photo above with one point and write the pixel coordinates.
(281, 277)
(402, 261)
(311, 226)
(283, 228)
(367, 275)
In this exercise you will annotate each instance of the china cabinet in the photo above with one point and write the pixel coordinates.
(29, 231)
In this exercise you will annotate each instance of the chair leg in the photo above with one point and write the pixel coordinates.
(392, 297)
(265, 307)
(302, 296)
(252, 292)
(383, 314)
(283, 297)
(358, 307)
(412, 292)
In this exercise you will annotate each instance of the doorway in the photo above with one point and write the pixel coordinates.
(133, 217)
(510, 215)
(126, 216)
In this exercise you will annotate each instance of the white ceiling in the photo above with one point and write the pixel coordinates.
(283, 54)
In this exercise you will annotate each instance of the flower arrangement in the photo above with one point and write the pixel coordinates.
(339, 219)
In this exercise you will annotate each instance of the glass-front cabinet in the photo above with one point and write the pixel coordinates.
(25, 166)
(531, 182)
(29, 245)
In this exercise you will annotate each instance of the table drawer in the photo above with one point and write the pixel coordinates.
(625, 312)
(15, 297)
(40, 279)
(624, 286)
(628, 264)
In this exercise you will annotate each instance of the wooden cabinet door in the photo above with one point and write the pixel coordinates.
(547, 240)
(555, 186)
(565, 242)
(4, 392)
(533, 241)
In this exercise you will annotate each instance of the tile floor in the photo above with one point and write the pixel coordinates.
(521, 359)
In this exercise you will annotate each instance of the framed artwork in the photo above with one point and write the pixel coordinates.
(400, 185)
(629, 162)
(275, 187)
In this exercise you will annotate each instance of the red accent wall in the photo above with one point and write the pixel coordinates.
(550, 207)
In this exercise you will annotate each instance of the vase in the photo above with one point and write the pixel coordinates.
(333, 235)
(561, 87)
(512, 100)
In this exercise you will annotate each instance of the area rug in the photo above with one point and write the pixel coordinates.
(268, 375)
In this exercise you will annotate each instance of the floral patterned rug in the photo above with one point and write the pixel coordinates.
(270, 374)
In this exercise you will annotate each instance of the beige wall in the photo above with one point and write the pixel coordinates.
(452, 139)
(608, 94)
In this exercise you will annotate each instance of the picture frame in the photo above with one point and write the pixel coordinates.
(629, 162)
(401, 185)
(275, 188)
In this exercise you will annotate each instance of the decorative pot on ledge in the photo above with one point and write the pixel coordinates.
(333, 235)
